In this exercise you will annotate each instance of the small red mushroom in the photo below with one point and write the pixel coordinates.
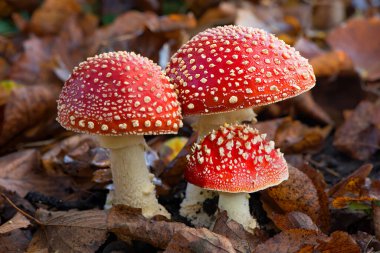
(236, 160)
(222, 72)
(120, 97)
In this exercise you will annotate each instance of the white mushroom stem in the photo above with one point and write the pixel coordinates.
(207, 123)
(131, 177)
(237, 207)
(191, 206)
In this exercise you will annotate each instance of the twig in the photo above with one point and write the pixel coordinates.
(20, 210)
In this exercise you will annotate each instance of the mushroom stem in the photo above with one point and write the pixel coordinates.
(191, 206)
(131, 177)
(237, 207)
(208, 122)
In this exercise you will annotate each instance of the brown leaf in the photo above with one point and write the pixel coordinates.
(128, 222)
(20, 172)
(33, 64)
(344, 201)
(298, 193)
(73, 231)
(357, 40)
(291, 136)
(241, 240)
(306, 107)
(72, 155)
(18, 221)
(353, 183)
(295, 137)
(320, 185)
(51, 16)
(331, 63)
(290, 241)
(293, 220)
(145, 33)
(338, 242)
(14, 242)
(198, 241)
(26, 107)
(359, 136)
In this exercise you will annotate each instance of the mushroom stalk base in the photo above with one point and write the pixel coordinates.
(131, 177)
(191, 206)
(237, 207)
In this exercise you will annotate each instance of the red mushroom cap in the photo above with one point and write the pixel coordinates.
(234, 67)
(236, 159)
(119, 93)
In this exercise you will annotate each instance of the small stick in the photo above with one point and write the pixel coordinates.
(20, 210)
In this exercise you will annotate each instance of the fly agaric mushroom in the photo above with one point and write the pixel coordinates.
(120, 97)
(236, 160)
(221, 73)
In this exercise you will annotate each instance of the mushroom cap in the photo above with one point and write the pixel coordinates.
(236, 158)
(119, 93)
(233, 67)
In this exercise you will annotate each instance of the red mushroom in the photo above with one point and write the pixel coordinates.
(221, 73)
(236, 160)
(120, 97)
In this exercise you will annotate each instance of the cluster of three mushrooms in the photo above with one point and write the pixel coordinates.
(121, 96)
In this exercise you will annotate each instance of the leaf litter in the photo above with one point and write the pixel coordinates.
(59, 181)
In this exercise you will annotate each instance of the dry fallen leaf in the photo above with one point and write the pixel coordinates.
(331, 63)
(291, 136)
(198, 241)
(356, 38)
(290, 241)
(320, 185)
(51, 16)
(18, 221)
(72, 156)
(353, 183)
(14, 242)
(359, 136)
(27, 107)
(128, 222)
(293, 220)
(72, 231)
(338, 242)
(308, 241)
(21, 172)
(298, 193)
(241, 240)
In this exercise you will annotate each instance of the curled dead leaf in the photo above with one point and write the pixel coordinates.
(72, 231)
(359, 135)
(353, 183)
(51, 16)
(293, 220)
(21, 172)
(331, 63)
(290, 241)
(356, 38)
(298, 193)
(128, 223)
(197, 241)
(18, 221)
(26, 107)
(241, 240)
